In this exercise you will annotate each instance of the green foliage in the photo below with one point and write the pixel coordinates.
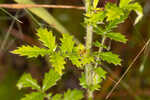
(124, 3)
(50, 79)
(27, 81)
(98, 75)
(30, 52)
(110, 58)
(95, 3)
(57, 62)
(128, 5)
(73, 95)
(113, 12)
(103, 22)
(69, 95)
(67, 43)
(98, 44)
(34, 96)
(56, 58)
(47, 38)
(79, 56)
(117, 37)
(57, 97)
(95, 18)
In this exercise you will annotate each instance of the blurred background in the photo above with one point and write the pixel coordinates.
(18, 27)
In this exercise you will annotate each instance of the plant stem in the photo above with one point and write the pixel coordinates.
(100, 50)
(88, 67)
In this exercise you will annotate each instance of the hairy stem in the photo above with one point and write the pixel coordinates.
(88, 67)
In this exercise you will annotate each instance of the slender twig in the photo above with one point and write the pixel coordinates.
(134, 60)
(22, 6)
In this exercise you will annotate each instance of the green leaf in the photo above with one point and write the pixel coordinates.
(113, 12)
(34, 96)
(95, 18)
(77, 55)
(73, 95)
(124, 3)
(95, 3)
(110, 58)
(30, 52)
(47, 38)
(87, 59)
(98, 44)
(75, 58)
(57, 97)
(98, 77)
(67, 43)
(101, 72)
(117, 37)
(114, 23)
(50, 79)
(27, 81)
(82, 80)
(138, 9)
(99, 30)
(58, 62)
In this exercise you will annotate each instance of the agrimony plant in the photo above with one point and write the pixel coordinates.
(101, 21)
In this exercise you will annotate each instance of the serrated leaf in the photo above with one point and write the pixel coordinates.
(47, 38)
(87, 59)
(82, 80)
(27, 81)
(113, 12)
(95, 3)
(99, 30)
(57, 97)
(58, 62)
(76, 55)
(30, 52)
(117, 37)
(124, 3)
(67, 43)
(98, 44)
(98, 77)
(73, 95)
(101, 72)
(95, 18)
(34, 96)
(50, 79)
(75, 59)
(110, 58)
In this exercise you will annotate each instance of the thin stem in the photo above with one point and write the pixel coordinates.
(23, 6)
(100, 50)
